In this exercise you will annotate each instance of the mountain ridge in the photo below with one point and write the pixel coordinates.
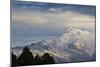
(73, 43)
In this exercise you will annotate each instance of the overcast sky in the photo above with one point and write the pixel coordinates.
(35, 21)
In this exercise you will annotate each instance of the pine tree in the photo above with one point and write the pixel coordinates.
(26, 58)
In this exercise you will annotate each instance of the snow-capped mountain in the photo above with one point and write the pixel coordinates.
(73, 45)
(82, 40)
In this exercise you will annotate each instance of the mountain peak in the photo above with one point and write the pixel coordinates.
(74, 41)
(72, 29)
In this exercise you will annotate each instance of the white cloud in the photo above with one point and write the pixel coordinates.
(52, 9)
(55, 19)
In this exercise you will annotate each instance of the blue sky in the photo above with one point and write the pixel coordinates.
(35, 21)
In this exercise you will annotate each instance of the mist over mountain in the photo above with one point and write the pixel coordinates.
(72, 46)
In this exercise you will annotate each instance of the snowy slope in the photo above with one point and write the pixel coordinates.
(73, 45)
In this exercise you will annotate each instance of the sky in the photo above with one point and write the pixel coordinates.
(35, 21)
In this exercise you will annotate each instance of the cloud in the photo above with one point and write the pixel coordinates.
(55, 19)
(52, 9)
(34, 23)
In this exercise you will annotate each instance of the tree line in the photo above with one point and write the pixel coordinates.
(27, 58)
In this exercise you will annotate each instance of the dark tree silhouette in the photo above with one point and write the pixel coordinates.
(26, 58)
(47, 59)
(14, 60)
(37, 60)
